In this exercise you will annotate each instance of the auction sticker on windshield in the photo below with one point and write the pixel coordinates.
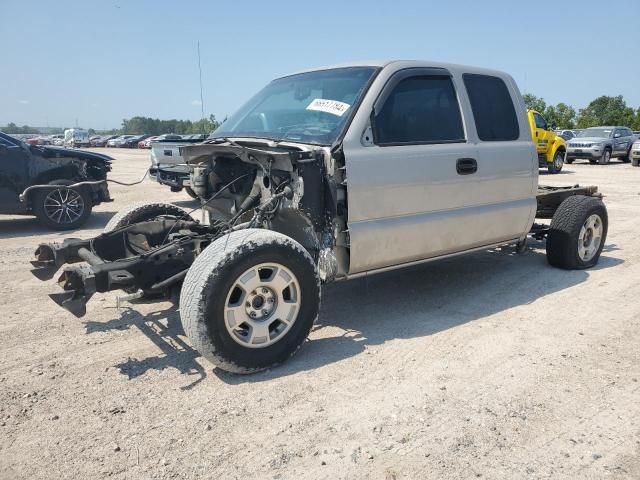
(334, 107)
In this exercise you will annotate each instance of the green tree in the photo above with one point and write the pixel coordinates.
(534, 103)
(562, 115)
(606, 110)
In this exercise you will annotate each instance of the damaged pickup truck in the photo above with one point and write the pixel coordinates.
(59, 186)
(327, 175)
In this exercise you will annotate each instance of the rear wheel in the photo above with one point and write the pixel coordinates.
(62, 208)
(558, 162)
(250, 300)
(577, 233)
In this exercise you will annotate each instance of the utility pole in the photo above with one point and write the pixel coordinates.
(201, 96)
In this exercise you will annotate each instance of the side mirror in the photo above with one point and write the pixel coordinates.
(616, 135)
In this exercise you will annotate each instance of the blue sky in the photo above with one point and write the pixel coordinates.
(102, 61)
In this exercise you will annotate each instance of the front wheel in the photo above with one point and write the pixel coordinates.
(605, 158)
(250, 299)
(62, 208)
(577, 233)
(558, 162)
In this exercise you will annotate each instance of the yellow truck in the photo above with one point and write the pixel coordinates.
(552, 149)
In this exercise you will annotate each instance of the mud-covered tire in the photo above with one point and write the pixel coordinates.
(142, 212)
(210, 283)
(564, 238)
(558, 161)
(41, 196)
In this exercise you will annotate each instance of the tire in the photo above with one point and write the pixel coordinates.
(606, 157)
(77, 206)
(141, 212)
(213, 281)
(572, 228)
(627, 157)
(191, 193)
(558, 161)
(635, 162)
(570, 160)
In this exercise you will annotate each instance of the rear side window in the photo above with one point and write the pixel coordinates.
(421, 109)
(492, 107)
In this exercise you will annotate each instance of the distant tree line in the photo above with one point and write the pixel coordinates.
(603, 110)
(155, 126)
(134, 125)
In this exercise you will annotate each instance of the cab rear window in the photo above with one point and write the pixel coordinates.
(493, 110)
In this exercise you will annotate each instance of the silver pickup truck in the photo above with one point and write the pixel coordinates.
(327, 175)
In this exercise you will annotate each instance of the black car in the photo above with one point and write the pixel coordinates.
(133, 142)
(36, 180)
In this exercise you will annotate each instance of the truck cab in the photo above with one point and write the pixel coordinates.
(552, 148)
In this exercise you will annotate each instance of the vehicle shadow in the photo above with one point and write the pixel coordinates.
(408, 303)
(164, 329)
(16, 227)
(424, 300)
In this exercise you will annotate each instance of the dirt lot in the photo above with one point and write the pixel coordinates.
(493, 365)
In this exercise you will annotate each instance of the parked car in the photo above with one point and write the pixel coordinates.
(76, 137)
(41, 140)
(635, 153)
(133, 142)
(146, 143)
(566, 134)
(600, 144)
(551, 147)
(102, 141)
(43, 181)
(57, 140)
(435, 160)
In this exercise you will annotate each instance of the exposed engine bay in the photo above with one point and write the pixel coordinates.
(236, 181)
(291, 189)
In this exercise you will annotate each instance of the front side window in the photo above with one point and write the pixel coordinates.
(422, 109)
(540, 121)
(312, 107)
(493, 110)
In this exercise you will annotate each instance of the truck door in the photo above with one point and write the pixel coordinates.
(620, 141)
(543, 137)
(13, 176)
(417, 187)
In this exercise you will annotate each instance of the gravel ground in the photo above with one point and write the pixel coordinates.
(493, 365)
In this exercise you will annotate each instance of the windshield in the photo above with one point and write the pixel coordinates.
(595, 132)
(309, 107)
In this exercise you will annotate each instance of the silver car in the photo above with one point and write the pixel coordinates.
(600, 144)
(635, 153)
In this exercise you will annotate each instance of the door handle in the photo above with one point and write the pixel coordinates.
(466, 166)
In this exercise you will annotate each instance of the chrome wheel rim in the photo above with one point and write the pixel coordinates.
(63, 206)
(590, 238)
(262, 305)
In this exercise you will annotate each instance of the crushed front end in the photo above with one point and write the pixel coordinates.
(286, 189)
